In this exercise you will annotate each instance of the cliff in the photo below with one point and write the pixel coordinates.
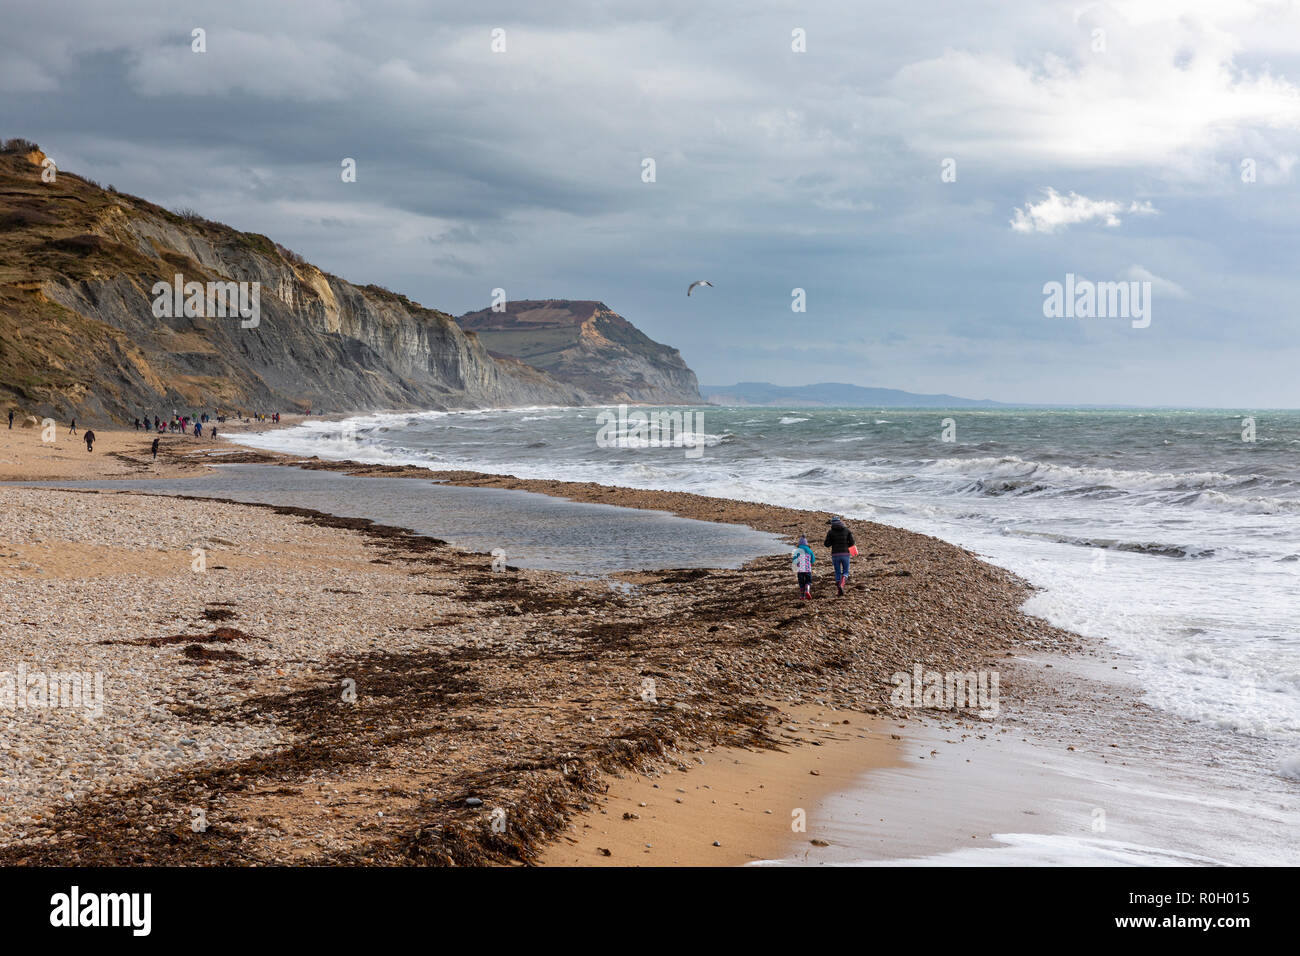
(588, 346)
(79, 335)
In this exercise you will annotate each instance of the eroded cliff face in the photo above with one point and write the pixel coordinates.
(79, 335)
(588, 345)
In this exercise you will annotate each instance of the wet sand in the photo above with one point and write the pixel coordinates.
(730, 807)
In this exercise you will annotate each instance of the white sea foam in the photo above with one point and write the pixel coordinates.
(1045, 849)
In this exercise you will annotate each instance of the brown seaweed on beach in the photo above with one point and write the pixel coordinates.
(217, 636)
(201, 653)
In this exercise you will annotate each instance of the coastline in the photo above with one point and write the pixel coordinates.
(747, 640)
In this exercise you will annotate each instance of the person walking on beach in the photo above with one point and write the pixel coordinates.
(11, 419)
(803, 559)
(154, 449)
(90, 440)
(74, 426)
(840, 540)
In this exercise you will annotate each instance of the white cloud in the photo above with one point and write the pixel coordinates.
(1174, 84)
(1057, 211)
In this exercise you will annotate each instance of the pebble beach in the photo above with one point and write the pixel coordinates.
(326, 690)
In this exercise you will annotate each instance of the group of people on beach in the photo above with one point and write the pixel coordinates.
(182, 424)
(195, 424)
(840, 541)
(177, 424)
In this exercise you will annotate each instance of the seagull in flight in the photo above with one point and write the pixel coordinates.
(690, 288)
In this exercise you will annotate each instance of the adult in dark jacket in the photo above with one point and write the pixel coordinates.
(840, 539)
(89, 439)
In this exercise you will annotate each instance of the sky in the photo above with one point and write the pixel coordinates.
(922, 171)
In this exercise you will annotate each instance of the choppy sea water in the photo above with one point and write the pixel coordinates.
(1163, 533)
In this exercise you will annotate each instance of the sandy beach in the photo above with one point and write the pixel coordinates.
(323, 690)
(25, 456)
(729, 806)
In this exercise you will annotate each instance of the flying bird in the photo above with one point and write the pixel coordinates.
(690, 288)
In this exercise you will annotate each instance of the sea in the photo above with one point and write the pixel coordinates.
(1169, 536)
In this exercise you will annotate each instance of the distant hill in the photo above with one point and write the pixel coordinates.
(831, 394)
(587, 345)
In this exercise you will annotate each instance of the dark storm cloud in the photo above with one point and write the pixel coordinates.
(775, 170)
